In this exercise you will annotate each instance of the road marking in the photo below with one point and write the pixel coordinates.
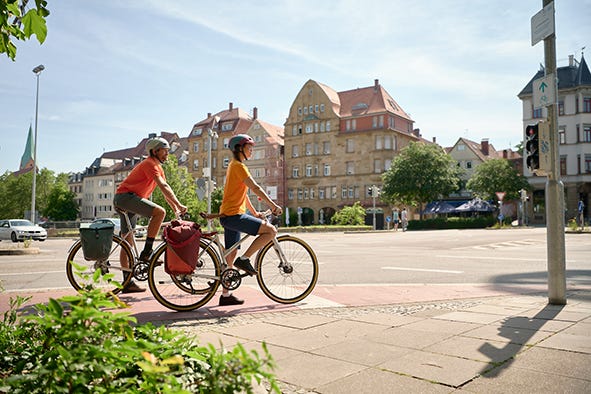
(489, 258)
(422, 270)
(32, 273)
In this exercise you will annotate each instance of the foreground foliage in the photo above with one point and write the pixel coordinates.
(77, 344)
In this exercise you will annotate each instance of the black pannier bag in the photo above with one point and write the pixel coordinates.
(97, 240)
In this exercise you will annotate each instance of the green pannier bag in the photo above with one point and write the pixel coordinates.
(97, 240)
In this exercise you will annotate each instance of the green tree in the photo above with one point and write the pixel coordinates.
(183, 185)
(19, 23)
(497, 175)
(419, 174)
(61, 204)
(16, 194)
(354, 215)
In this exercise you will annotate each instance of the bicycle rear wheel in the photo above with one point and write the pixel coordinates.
(81, 272)
(290, 283)
(185, 292)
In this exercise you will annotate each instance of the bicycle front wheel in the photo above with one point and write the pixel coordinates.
(185, 292)
(81, 272)
(288, 281)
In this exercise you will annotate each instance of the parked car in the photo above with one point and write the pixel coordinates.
(140, 232)
(115, 221)
(21, 229)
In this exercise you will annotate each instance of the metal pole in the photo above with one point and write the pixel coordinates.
(210, 132)
(37, 70)
(554, 191)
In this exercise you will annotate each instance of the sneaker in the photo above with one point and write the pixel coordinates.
(230, 300)
(145, 255)
(132, 287)
(244, 265)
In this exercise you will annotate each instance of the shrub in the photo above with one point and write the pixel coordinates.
(354, 215)
(80, 344)
(452, 223)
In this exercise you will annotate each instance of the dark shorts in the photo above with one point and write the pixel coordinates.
(234, 225)
(135, 206)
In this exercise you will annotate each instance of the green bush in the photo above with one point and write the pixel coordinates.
(451, 223)
(81, 344)
(354, 215)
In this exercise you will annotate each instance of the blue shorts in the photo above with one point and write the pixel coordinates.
(234, 225)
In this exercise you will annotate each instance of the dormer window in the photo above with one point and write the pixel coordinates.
(227, 126)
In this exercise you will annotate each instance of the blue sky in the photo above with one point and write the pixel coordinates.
(118, 70)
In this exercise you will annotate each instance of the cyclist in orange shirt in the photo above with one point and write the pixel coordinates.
(233, 211)
(133, 195)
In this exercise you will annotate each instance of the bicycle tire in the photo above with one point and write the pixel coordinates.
(81, 272)
(185, 292)
(287, 287)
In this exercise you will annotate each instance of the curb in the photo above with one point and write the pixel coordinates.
(19, 251)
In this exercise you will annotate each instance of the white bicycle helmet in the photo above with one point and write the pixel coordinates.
(156, 143)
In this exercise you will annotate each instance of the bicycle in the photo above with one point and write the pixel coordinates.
(287, 272)
(81, 272)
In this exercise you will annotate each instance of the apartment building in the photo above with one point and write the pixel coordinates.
(266, 164)
(574, 136)
(337, 145)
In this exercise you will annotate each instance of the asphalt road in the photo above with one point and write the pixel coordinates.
(514, 256)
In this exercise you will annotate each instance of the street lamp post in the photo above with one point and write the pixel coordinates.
(37, 70)
(212, 135)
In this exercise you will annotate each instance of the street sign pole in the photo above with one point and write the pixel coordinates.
(555, 240)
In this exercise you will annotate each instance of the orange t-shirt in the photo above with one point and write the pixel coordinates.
(141, 180)
(234, 201)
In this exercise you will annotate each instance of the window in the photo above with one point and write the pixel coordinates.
(350, 145)
(328, 125)
(295, 151)
(326, 147)
(226, 162)
(316, 171)
(588, 164)
(321, 107)
(562, 135)
(226, 141)
(309, 170)
(300, 194)
(316, 127)
(308, 149)
(312, 193)
(461, 147)
(321, 194)
(586, 133)
(197, 131)
(468, 164)
(387, 164)
(348, 125)
(295, 172)
(306, 193)
(195, 164)
(195, 146)
(227, 126)
(377, 166)
(350, 168)
(378, 142)
(388, 142)
(294, 130)
(322, 127)
(311, 109)
(391, 122)
(374, 122)
(561, 107)
(586, 104)
(290, 194)
(381, 121)
(343, 192)
(316, 108)
(327, 170)
(563, 165)
(309, 128)
(305, 110)
(537, 113)
(299, 110)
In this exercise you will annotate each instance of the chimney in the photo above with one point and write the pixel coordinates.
(208, 115)
(417, 132)
(152, 135)
(484, 146)
(434, 140)
(231, 106)
(571, 60)
(505, 154)
(376, 84)
(255, 113)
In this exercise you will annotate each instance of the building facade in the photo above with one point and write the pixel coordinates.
(337, 146)
(574, 137)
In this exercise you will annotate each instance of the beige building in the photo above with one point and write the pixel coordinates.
(337, 145)
(266, 164)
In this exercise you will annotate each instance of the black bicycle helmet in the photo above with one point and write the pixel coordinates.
(239, 140)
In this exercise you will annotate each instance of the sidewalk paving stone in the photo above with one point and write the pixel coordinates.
(555, 362)
(503, 333)
(474, 349)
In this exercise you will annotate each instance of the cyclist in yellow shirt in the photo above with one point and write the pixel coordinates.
(233, 211)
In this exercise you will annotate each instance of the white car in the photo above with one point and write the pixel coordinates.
(114, 221)
(21, 229)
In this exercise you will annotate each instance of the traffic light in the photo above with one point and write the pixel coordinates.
(532, 147)
(370, 191)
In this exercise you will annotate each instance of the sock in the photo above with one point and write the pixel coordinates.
(149, 244)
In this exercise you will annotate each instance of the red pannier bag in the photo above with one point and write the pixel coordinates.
(182, 250)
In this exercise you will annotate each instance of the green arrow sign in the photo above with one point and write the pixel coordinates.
(543, 86)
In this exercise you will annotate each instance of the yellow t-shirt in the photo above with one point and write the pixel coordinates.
(234, 201)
